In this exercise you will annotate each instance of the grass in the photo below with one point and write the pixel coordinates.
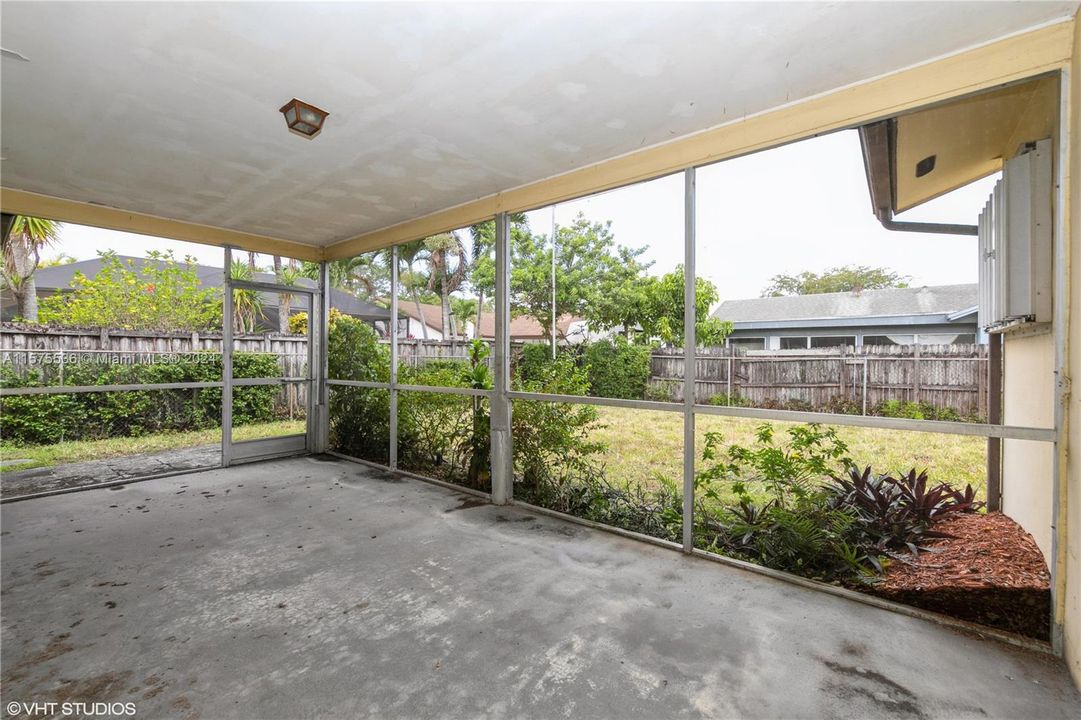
(82, 450)
(644, 446)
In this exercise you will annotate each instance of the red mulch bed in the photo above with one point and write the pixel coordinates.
(991, 573)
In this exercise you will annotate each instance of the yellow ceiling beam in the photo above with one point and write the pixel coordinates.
(1010, 59)
(20, 202)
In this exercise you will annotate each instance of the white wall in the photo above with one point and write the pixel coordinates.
(1028, 399)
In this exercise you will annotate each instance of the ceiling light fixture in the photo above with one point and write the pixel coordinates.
(303, 119)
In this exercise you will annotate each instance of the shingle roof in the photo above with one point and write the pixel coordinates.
(933, 300)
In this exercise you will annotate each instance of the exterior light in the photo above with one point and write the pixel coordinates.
(303, 119)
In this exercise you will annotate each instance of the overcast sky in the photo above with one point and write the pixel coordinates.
(801, 207)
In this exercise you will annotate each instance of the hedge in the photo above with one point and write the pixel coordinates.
(49, 419)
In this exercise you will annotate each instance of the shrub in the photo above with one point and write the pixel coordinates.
(531, 361)
(617, 369)
(815, 521)
(733, 400)
(49, 419)
(922, 411)
(662, 390)
(359, 417)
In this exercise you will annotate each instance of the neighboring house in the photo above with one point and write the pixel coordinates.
(57, 279)
(412, 324)
(570, 330)
(942, 314)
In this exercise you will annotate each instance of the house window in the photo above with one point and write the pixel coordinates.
(747, 343)
(888, 339)
(828, 341)
(794, 343)
(947, 339)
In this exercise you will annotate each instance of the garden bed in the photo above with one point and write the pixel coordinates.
(990, 572)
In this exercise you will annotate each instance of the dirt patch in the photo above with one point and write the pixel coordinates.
(991, 572)
(466, 503)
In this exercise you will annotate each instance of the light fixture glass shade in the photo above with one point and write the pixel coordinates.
(302, 118)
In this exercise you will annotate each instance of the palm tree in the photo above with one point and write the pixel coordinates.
(445, 250)
(246, 304)
(409, 254)
(22, 252)
(285, 275)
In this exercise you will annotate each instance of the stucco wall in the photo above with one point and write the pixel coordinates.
(1072, 509)
(1028, 399)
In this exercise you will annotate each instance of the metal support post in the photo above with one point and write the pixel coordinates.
(393, 452)
(502, 450)
(690, 344)
(227, 363)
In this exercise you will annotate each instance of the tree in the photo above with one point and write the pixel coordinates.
(590, 267)
(482, 277)
(22, 254)
(662, 307)
(847, 278)
(285, 275)
(160, 294)
(410, 255)
(246, 304)
(365, 276)
(447, 268)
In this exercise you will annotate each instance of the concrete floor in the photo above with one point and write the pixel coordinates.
(304, 588)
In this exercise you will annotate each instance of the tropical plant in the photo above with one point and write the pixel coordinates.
(21, 255)
(410, 255)
(447, 268)
(247, 306)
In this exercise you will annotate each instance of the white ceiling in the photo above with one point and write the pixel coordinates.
(172, 109)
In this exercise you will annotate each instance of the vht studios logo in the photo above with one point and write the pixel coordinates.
(67, 709)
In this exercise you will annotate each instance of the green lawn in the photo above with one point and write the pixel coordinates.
(643, 445)
(79, 451)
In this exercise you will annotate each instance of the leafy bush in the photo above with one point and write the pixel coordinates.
(921, 411)
(662, 390)
(49, 419)
(359, 417)
(617, 369)
(816, 521)
(531, 361)
(733, 400)
(160, 293)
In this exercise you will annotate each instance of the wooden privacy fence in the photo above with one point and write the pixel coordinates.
(856, 379)
(22, 348)
(853, 379)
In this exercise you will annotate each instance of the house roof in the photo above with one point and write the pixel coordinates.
(939, 303)
(525, 327)
(431, 315)
(58, 279)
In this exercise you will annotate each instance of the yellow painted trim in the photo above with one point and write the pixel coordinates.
(20, 202)
(1014, 58)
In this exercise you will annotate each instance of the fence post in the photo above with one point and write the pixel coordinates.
(865, 369)
(916, 373)
(729, 392)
